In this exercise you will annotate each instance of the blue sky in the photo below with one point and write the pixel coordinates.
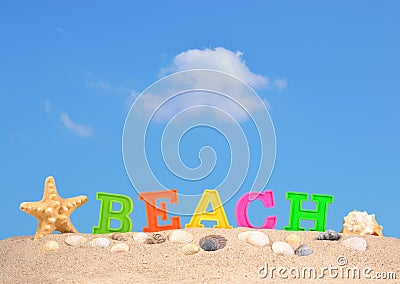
(328, 71)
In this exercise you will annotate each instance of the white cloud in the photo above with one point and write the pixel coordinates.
(239, 101)
(47, 106)
(98, 85)
(78, 129)
(280, 84)
(132, 97)
(220, 59)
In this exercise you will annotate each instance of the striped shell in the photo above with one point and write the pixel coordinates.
(75, 241)
(212, 242)
(190, 249)
(180, 237)
(258, 239)
(50, 246)
(140, 237)
(100, 242)
(155, 239)
(118, 237)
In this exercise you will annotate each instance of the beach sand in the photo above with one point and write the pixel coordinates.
(23, 260)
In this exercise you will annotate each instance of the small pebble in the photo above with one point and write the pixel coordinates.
(293, 240)
(140, 237)
(118, 237)
(75, 241)
(51, 246)
(355, 243)
(329, 235)
(282, 248)
(303, 250)
(258, 239)
(122, 247)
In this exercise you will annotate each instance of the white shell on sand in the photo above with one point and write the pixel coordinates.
(355, 243)
(140, 237)
(100, 242)
(293, 240)
(258, 239)
(122, 247)
(243, 235)
(282, 248)
(190, 249)
(75, 240)
(50, 246)
(180, 237)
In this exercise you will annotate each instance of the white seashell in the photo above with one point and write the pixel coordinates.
(355, 243)
(100, 242)
(75, 240)
(282, 248)
(361, 223)
(258, 239)
(180, 237)
(121, 247)
(50, 246)
(190, 249)
(243, 235)
(293, 240)
(140, 237)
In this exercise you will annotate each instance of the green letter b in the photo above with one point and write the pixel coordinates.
(107, 213)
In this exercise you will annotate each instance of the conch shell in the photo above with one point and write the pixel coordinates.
(361, 223)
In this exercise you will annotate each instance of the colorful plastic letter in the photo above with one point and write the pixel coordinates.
(297, 213)
(152, 211)
(267, 198)
(201, 214)
(107, 213)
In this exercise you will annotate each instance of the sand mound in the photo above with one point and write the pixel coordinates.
(23, 260)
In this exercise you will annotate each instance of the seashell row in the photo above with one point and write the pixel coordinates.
(118, 237)
(180, 237)
(50, 246)
(75, 241)
(121, 247)
(100, 242)
(189, 249)
(293, 240)
(282, 248)
(155, 238)
(140, 237)
(303, 250)
(212, 242)
(361, 223)
(355, 243)
(329, 235)
(256, 238)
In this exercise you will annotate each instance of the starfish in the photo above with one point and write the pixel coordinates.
(53, 212)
